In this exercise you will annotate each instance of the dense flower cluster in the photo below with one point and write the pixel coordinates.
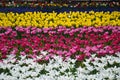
(78, 43)
(104, 68)
(97, 4)
(32, 4)
(59, 4)
(76, 19)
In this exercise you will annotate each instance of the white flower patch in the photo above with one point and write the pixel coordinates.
(107, 67)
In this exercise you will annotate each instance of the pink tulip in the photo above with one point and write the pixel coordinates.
(46, 58)
(94, 48)
(23, 53)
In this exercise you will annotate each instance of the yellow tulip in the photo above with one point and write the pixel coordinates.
(40, 19)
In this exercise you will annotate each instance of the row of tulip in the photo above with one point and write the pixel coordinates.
(104, 68)
(60, 4)
(77, 43)
(76, 19)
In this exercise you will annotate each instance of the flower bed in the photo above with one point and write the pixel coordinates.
(72, 42)
(76, 19)
(107, 67)
(56, 9)
(60, 46)
(60, 4)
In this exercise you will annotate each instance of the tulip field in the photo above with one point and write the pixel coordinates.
(71, 45)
